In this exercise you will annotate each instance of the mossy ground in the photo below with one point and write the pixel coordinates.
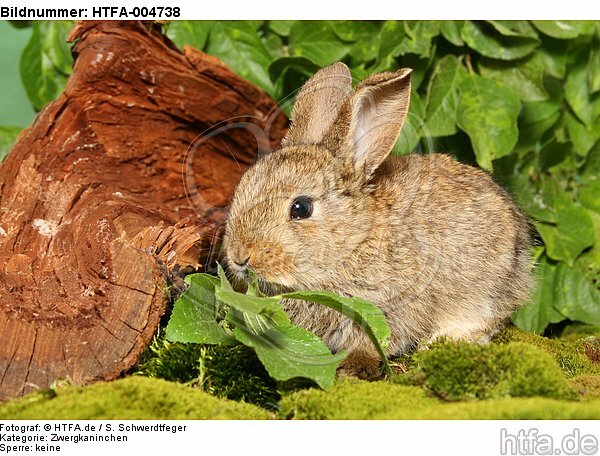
(517, 376)
(131, 398)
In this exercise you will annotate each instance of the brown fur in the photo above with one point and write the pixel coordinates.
(437, 245)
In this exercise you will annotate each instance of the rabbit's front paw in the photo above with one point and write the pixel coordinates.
(360, 364)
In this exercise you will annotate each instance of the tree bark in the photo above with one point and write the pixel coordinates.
(108, 193)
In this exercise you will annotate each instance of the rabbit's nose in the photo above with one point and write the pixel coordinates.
(243, 265)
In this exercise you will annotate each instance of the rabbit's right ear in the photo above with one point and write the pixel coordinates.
(318, 104)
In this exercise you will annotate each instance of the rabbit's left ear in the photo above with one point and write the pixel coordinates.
(378, 109)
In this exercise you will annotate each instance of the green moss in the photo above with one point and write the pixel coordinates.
(456, 371)
(353, 399)
(588, 386)
(569, 354)
(171, 361)
(233, 372)
(129, 398)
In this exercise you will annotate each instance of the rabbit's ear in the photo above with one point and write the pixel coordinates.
(318, 104)
(378, 109)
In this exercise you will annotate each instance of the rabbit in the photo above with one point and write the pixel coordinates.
(437, 245)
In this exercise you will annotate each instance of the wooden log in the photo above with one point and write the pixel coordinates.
(102, 198)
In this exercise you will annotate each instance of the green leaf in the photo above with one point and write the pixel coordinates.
(538, 117)
(589, 195)
(486, 40)
(451, 31)
(290, 352)
(224, 281)
(248, 303)
(418, 38)
(524, 77)
(390, 40)
(514, 28)
(554, 54)
(564, 30)
(274, 45)
(488, 113)
(577, 92)
(8, 137)
(190, 33)
(367, 316)
(364, 35)
(540, 311)
(281, 65)
(552, 154)
(282, 28)
(419, 66)
(46, 62)
(582, 137)
(594, 66)
(16, 107)
(316, 41)
(589, 191)
(443, 95)
(194, 316)
(571, 234)
(289, 73)
(413, 128)
(577, 298)
(537, 201)
(239, 45)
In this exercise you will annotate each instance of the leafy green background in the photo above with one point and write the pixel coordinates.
(518, 98)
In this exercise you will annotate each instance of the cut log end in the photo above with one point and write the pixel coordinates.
(108, 194)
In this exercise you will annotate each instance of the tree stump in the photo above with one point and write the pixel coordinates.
(103, 197)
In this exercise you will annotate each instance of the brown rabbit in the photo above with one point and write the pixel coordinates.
(438, 246)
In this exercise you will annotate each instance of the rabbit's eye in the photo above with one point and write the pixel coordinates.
(302, 208)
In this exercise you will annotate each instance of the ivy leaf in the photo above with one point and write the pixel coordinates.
(594, 66)
(194, 316)
(412, 130)
(582, 136)
(289, 352)
(514, 28)
(524, 77)
(577, 92)
(451, 31)
(8, 137)
(46, 62)
(538, 202)
(486, 40)
(443, 95)
(571, 234)
(564, 30)
(289, 73)
(538, 117)
(189, 33)
(390, 39)
(316, 41)
(418, 37)
(552, 154)
(576, 297)
(363, 34)
(554, 54)
(589, 190)
(539, 311)
(488, 113)
(419, 68)
(238, 44)
(282, 28)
